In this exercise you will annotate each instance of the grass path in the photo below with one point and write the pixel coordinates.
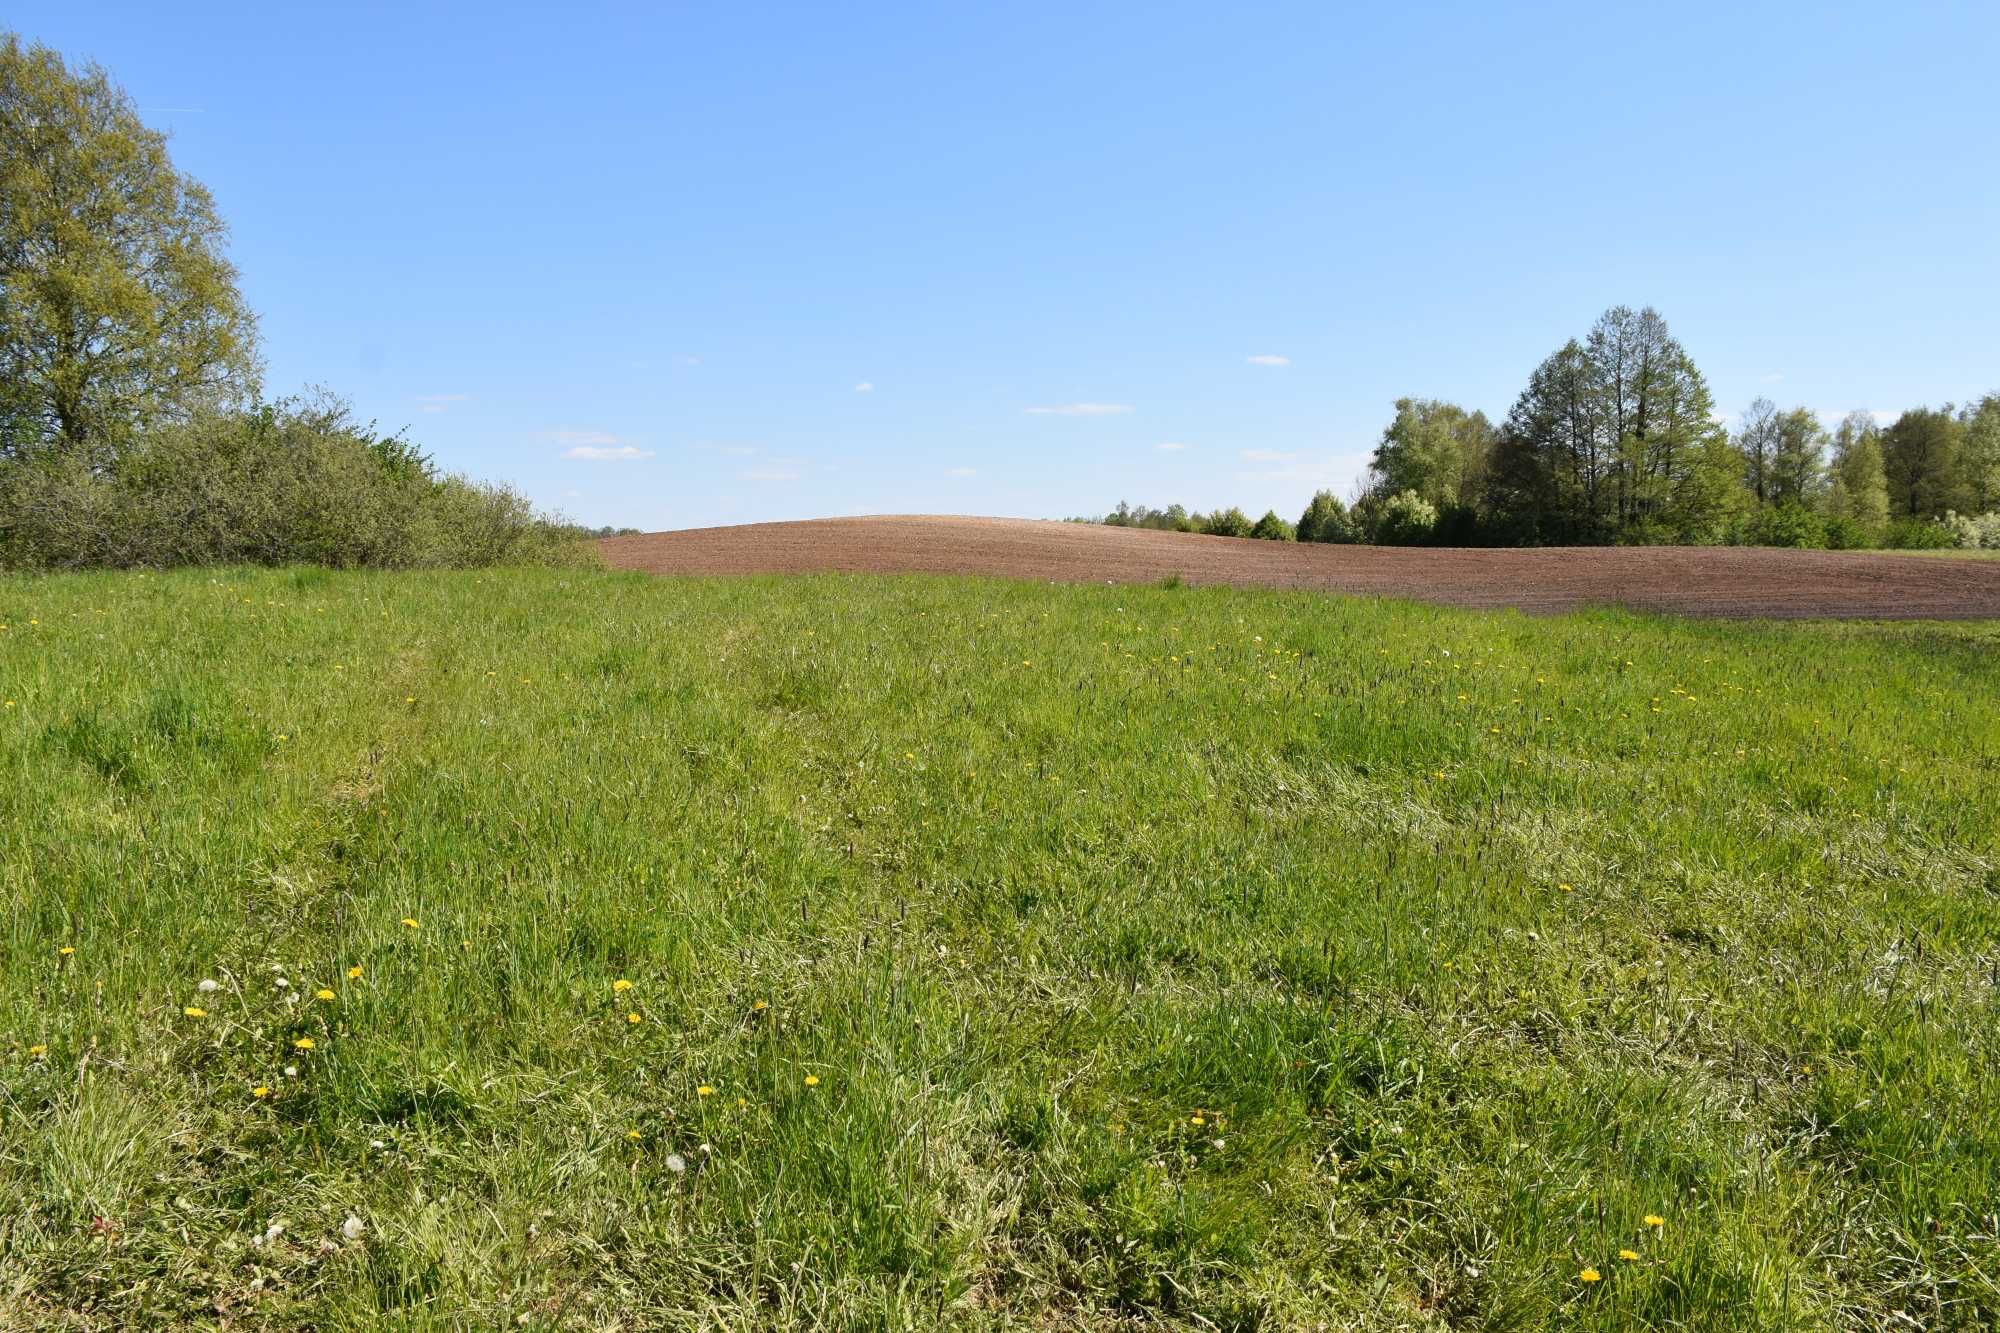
(998, 955)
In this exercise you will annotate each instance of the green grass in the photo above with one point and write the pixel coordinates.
(1183, 956)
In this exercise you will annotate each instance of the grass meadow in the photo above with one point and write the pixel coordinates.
(578, 950)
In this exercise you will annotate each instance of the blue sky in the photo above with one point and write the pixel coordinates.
(667, 266)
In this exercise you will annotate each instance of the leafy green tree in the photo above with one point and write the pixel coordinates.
(1798, 466)
(1439, 450)
(1920, 458)
(1230, 522)
(1858, 491)
(1549, 466)
(1271, 528)
(1757, 440)
(117, 305)
(1404, 519)
(1326, 519)
(1653, 414)
(1979, 456)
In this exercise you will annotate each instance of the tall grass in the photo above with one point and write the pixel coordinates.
(1052, 956)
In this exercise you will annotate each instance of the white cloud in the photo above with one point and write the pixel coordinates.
(1302, 471)
(1269, 456)
(570, 435)
(1269, 359)
(961, 472)
(598, 453)
(1170, 446)
(767, 474)
(866, 386)
(1081, 410)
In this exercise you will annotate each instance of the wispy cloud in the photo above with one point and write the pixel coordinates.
(602, 453)
(1269, 359)
(1081, 410)
(1298, 470)
(738, 450)
(572, 435)
(961, 472)
(1170, 446)
(767, 474)
(1269, 456)
(1773, 378)
(866, 386)
(438, 402)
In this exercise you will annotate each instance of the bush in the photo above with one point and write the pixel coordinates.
(1327, 520)
(1919, 534)
(1847, 534)
(1973, 532)
(1230, 522)
(286, 483)
(1405, 519)
(1271, 528)
(1789, 525)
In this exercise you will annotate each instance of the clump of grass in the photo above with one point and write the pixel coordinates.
(789, 953)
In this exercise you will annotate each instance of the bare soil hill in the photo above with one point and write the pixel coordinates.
(1710, 581)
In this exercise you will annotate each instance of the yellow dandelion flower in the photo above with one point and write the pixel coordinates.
(1590, 1275)
(621, 985)
(38, 1049)
(742, 1103)
(632, 1018)
(1655, 1220)
(66, 950)
(1196, 1119)
(812, 1080)
(303, 1044)
(1629, 1256)
(760, 1005)
(192, 1012)
(260, 1092)
(410, 921)
(1567, 888)
(704, 1091)
(354, 973)
(323, 994)
(632, 1134)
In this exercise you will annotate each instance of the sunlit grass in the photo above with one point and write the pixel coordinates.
(997, 954)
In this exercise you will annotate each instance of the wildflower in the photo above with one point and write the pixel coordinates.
(742, 1103)
(410, 921)
(1567, 888)
(812, 1080)
(760, 1005)
(354, 973)
(676, 1163)
(632, 1018)
(632, 1134)
(303, 1044)
(1629, 1256)
(621, 985)
(1655, 1221)
(323, 994)
(291, 1071)
(66, 950)
(193, 1012)
(260, 1092)
(1196, 1119)
(1590, 1275)
(353, 1227)
(207, 987)
(704, 1091)
(38, 1050)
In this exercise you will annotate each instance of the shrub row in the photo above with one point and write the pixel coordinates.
(286, 483)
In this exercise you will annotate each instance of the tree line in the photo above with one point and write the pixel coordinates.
(133, 427)
(1615, 440)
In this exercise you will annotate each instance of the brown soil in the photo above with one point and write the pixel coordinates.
(1709, 581)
